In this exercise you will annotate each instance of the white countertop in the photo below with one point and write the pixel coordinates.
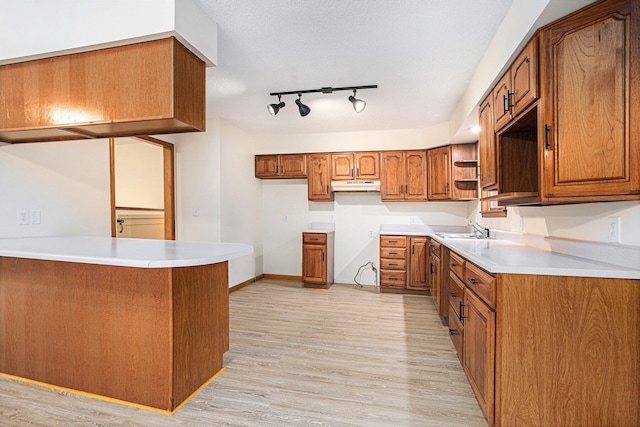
(512, 255)
(502, 256)
(143, 253)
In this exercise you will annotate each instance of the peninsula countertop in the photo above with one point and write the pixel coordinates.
(142, 253)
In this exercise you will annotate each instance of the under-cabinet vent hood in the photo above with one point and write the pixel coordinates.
(338, 186)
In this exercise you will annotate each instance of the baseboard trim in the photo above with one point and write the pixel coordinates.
(282, 277)
(245, 283)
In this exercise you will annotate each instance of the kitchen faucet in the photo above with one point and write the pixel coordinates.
(477, 228)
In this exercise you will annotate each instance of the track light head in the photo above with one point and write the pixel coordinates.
(274, 108)
(358, 104)
(303, 109)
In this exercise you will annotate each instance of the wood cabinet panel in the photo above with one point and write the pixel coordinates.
(281, 166)
(416, 176)
(456, 332)
(314, 265)
(393, 279)
(144, 88)
(592, 104)
(439, 167)
(266, 166)
(524, 78)
(501, 93)
(392, 176)
(319, 177)
(478, 357)
(481, 282)
(314, 238)
(393, 241)
(419, 278)
(393, 253)
(342, 168)
(487, 145)
(367, 165)
(456, 265)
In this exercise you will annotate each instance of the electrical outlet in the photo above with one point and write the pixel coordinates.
(614, 229)
(285, 218)
(412, 220)
(371, 233)
(34, 216)
(23, 217)
(332, 217)
(196, 211)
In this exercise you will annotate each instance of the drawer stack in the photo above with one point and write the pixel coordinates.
(393, 262)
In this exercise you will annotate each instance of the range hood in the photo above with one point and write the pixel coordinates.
(339, 186)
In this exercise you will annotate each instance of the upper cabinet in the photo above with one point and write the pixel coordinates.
(281, 166)
(144, 88)
(453, 172)
(403, 176)
(319, 177)
(591, 104)
(580, 141)
(518, 88)
(355, 166)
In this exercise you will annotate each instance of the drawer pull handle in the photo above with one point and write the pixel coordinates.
(393, 241)
(393, 253)
(393, 278)
(453, 332)
(313, 238)
(472, 281)
(393, 265)
(453, 264)
(452, 294)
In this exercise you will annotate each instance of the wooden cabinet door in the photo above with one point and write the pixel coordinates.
(524, 78)
(418, 263)
(592, 103)
(342, 166)
(434, 281)
(439, 167)
(501, 95)
(293, 166)
(314, 263)
(318, 177)
(367, 165)
(478, 356)
(392, 176)
(487, 145)
(266, 166)
(415, 176)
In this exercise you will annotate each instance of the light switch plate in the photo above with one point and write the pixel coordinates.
(34, 216)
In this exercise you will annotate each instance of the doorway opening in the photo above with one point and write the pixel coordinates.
(142, 188)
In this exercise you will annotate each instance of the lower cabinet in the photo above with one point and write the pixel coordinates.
(403, 264)
(547, 350)
(317, 259)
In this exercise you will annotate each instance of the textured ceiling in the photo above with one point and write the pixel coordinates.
(420, 53)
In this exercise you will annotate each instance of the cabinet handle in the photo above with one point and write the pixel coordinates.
(313, 238)
(393, 265)
(452, 294)
(413, 250)
(393, 241)
(323, 256)
(546, 137)
(472, 281)
(453, 264)
(327, 188)
(506, 100)
(462, 316)
(431, 268)
(277, 168)
(453, 332)
(447, 187)
(393, 253)
(393, 278)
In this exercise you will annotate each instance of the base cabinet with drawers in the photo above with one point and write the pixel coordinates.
(317, 259)
(547, 350)
(403, 264)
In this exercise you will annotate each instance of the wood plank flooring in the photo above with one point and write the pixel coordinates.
(346, 356)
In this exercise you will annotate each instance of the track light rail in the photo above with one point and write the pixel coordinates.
(323, 90)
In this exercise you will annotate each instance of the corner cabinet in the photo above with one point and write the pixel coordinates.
(452, 172)
(403, 176)
(317, 259)
(144, 88)
(281, 166)
(319, 177)
(591, 106)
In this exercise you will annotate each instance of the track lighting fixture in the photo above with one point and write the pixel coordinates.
(358, 104)
(303, 109)
(274, 108)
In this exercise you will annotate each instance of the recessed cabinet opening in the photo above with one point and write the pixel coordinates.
(518, 158)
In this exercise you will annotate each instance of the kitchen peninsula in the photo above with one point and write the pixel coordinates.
(139, 321)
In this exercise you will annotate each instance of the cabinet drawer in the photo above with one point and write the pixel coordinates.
(456, 332)
(456, 293)
(481, 282)
(434, 248)
(317, 238)
(393, 279)
(393, 264)
(393, 241)
(393, 253)
(456, 264)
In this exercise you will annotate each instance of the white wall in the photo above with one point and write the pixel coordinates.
(139, 174)
(240, 201)
(588, 221)
(67, 181)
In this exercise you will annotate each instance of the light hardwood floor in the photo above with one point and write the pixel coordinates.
(346, 356)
